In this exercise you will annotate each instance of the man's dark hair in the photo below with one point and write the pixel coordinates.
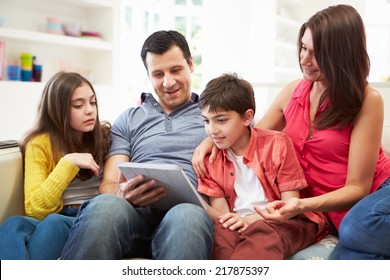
(161, 41)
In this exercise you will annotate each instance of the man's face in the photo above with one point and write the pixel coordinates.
(170, 75)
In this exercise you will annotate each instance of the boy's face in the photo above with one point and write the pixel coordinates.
(228, 129)
(170, 75)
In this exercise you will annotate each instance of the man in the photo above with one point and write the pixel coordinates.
(119, 223)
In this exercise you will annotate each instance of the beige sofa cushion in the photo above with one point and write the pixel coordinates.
(11, 183)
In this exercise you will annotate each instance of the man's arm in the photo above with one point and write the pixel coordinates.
(111, 175)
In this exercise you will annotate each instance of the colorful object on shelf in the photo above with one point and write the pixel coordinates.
(36, 71)
(91, 34)
(53, 26)
(71, 29)
(14, 72)
(26, 62)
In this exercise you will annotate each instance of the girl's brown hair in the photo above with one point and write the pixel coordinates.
(53, 118)
(339, 42)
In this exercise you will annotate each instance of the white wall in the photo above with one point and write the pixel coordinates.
(18, 107)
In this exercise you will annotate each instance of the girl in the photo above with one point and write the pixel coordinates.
(63, 157)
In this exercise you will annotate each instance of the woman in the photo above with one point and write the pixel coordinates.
(63, 158)
(334, 118)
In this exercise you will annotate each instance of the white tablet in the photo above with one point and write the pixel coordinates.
(177, 185)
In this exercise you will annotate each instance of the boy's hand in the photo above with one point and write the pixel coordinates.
(233, 222)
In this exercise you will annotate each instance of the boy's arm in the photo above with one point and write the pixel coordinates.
(290, 199)
(217, 207)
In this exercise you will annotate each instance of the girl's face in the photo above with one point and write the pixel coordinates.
(228, 129)
(310, 69)
(83, 110)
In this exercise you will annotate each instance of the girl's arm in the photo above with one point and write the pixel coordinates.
(45, 183)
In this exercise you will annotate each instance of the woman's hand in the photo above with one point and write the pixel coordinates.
(83, 161)
(233, 222)
(205, 147)
(280, 211)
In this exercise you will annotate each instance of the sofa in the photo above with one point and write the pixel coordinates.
(11, 199)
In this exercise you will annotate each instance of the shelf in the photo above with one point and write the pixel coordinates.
(40, 37)
(87, 3)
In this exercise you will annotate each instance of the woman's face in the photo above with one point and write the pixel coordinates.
(310, 69)
(83, 109)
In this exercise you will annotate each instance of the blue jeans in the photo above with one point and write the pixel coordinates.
(23, 238)
(109, 227)
(365, 230)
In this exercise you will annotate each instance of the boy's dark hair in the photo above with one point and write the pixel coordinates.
(161, 41)
(228, 93)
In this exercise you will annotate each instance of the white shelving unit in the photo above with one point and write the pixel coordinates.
(24, 29)
(288, 20)
(289, 17)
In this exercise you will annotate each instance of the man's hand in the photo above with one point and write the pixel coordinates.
(139, 192)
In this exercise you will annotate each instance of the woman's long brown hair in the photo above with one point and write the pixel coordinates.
(339, 42)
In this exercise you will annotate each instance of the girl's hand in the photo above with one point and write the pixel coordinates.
(83, 161)
(233, 222)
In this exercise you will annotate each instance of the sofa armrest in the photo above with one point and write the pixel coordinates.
(11, 183)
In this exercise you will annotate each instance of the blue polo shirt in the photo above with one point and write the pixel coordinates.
(148, 134)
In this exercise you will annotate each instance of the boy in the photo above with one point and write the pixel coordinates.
(255, 170)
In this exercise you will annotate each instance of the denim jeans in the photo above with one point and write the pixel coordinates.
(365, 230)
(109, 227)
(23, 237)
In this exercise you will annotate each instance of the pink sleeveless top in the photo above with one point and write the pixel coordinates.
(324, 157)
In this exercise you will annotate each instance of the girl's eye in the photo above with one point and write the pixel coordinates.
(77, 106)
(206, 121)
(93, 103)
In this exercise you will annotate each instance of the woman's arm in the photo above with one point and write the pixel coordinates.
(363, 157)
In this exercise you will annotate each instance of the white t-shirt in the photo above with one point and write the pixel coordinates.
(248, 188)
